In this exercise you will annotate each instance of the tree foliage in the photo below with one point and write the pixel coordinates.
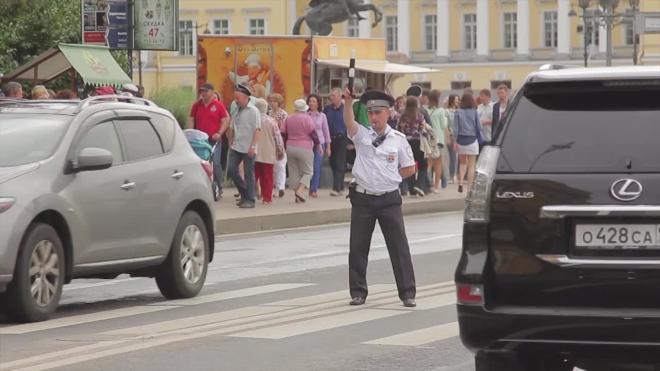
(29, 27)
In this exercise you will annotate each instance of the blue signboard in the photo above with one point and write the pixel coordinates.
(105, 23)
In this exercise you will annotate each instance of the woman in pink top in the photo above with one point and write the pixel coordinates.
(300, 139)
(321, 124)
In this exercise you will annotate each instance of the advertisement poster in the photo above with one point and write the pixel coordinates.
(105, 23)
(156, 24)
(279, 65)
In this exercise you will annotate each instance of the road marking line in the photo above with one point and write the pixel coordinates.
(250, 291)
(335, 252)
(419, 337)
(318, 324)
(79, 319)
(432, 302)
(155, 307)
(99, 284)
(332, 296)
(184, 333)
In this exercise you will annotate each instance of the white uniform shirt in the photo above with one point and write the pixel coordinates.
(486, 113)
(377, 169)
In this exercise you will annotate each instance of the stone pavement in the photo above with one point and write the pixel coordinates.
(285, 213)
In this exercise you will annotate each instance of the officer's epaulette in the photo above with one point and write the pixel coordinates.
(399, 134)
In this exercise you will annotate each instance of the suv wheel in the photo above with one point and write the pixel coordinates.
(35, 292)
(183, 274)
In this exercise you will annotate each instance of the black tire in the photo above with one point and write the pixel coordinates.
(216, 190)
(170, 277)
(20, 304)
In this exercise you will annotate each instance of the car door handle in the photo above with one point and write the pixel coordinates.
(177, 175)
(127, 186)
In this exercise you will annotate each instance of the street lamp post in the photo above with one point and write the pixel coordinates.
(607, 17)
(634, 4)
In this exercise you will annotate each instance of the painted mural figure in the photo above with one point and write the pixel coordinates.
(256, 74)
(324, 13)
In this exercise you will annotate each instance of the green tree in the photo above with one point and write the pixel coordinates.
(30, 27)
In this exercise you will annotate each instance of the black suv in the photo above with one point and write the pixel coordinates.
(560, 266)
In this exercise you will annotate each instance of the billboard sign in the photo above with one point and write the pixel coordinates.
(105, 23)
(156, 24)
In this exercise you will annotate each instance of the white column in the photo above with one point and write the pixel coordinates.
(444, 34)
(563, 28)
(365, 24)
(403, 26)
(483, 29)
(292, 7)
(602, 40)
(522, 27)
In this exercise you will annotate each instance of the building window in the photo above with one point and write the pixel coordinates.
(187, 33)
(510, 30)
(629, 36)
(494, 84)
(469, 31)
(460, 85)
(431, 31)
(257, 26)
(550, 29)
(221, 26)
(353, 27)
(423, 84)
(391, 33)
(593, 33)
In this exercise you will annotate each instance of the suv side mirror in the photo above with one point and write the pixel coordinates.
(91, 159)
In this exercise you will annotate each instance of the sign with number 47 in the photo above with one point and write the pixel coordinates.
(156, 25)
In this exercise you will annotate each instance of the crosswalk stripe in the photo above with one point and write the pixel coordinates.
(228, 322)
(318, 324)
(79, 319)
(419, 337)
(342, 295)
(250, 291)
(156, 307)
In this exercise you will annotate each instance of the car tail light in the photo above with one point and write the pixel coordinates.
(470, 294)
(208, 169)
(6, 203)
(477, 201)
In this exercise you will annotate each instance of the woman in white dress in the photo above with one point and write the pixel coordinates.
(466, 137)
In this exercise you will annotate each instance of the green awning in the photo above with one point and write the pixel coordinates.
(95, 64)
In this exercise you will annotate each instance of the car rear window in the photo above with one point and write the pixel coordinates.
(25, 139)
(569, 129)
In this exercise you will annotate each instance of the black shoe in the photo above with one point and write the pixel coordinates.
(246, 205)
(410, 303)
(357, 301)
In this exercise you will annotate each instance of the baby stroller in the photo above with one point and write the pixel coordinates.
(199, 141)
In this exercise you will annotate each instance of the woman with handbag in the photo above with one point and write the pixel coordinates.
(466, 137)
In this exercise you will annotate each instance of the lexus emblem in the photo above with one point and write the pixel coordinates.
(626, 190)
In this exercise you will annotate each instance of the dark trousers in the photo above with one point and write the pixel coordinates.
(245, 188)
(366, 209)
(338, 160)
(422, 179)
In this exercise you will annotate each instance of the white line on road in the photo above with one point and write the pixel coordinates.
(420, 337)
(185, 332)
(335, 252)
(131, 311)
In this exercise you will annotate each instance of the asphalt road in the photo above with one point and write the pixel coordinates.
(275, 301)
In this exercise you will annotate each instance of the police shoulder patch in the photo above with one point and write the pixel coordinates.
(410, 152)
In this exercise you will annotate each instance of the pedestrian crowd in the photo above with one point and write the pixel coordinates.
(267, 145)
(14, 90)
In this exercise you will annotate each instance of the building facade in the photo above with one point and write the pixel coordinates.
(476, 43)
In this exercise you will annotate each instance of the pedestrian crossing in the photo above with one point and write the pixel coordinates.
(270, 321)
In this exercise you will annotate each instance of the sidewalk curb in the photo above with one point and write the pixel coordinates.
(322, 217)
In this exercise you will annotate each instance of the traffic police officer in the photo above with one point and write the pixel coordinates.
(383, 159)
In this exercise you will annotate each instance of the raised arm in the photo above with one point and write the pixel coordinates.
(349, 119)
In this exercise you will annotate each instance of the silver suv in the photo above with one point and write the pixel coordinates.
(95, 189)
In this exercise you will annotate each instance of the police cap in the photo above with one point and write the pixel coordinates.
(414, 91)
(375, 100)
(243, 89)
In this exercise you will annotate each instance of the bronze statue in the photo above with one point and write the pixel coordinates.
(324, 13)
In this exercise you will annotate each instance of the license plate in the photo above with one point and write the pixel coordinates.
(617, 236)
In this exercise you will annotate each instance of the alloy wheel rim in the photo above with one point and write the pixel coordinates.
(44, 273)
(192, 254)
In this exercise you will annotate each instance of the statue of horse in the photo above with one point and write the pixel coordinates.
(324, 13)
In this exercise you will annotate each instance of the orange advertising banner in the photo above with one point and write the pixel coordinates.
(340, 48)
(272, 64)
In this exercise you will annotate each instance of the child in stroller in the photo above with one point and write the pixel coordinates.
(199, 141)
